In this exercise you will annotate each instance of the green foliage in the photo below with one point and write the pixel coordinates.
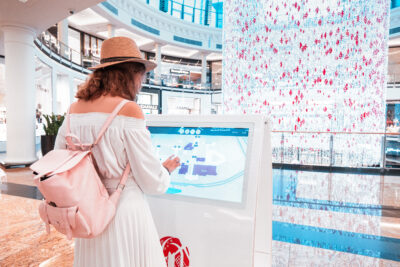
(53, 123)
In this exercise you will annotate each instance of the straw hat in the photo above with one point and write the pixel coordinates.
(119, 50)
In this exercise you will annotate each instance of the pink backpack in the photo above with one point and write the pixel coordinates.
(76, 202)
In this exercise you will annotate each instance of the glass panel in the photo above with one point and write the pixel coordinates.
(87, 44)
(189, 3)
(43, 89)
(194, 11)
(177, 6)
(100, 42)
(74, 42)
(176, 14)
(212, 22)
(63, 93)
(198, 4)
(188, 17)
(197, 16)
(93, 47)
(188, 10)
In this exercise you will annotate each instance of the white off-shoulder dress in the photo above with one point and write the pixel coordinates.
(131, 238)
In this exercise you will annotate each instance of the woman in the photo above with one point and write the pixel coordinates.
(131, 238)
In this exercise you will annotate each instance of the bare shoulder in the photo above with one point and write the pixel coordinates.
(72, 107)
(132, 109)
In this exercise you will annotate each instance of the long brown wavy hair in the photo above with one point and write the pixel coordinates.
(116, 80)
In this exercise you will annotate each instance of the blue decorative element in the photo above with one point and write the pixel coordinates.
(189, 146)
(394, 3)
(110, 7)
(145, 27)
(163, 5)
(184, 169)
(204, 170)
(219, 46)
(394, 30)
(218, 16)
(187, 41)
(173, 191)
(219, 6)
(349, 242)
(207, 12)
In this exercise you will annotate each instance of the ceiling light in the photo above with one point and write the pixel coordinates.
(23, 1)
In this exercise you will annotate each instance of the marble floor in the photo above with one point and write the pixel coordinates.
(319, 219)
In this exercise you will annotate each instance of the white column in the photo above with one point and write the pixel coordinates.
(203, 70)
(20, 94)
(157, 71)
(110, 30)
(62, 36)
(54, 91)
(71, 89)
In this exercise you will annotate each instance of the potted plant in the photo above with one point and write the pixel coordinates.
(53, 123)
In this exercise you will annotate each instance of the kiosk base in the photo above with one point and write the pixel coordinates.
(262, 259)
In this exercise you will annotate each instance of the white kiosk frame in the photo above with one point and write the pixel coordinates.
(218, 233)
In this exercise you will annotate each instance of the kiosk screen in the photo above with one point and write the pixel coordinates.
(212, 160)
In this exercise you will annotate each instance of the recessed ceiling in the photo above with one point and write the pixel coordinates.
(140, 40)
(38, 15)
(86, 17)
(214, 56)
(178, 51)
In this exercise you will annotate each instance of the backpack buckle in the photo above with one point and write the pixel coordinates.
(120, 186)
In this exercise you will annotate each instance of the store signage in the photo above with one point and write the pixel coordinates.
(178, 71)
(147, 106)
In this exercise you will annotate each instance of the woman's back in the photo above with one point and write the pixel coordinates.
(131, 238)
(126, 138)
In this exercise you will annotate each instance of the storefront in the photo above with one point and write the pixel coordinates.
(179, 72)
(149, 101)
(392, 144)
(185, 103)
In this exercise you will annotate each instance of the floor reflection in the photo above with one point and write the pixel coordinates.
(319, 218)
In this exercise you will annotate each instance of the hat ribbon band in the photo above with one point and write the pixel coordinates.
(114, 59)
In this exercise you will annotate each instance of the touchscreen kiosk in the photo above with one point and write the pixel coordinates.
(218, 208)
(212, 160)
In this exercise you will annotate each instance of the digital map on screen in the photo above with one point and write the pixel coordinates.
(212, 160)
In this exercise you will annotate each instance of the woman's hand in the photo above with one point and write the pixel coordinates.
(171, 163)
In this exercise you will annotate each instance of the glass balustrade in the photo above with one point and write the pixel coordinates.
(334, 149)
(49, 44)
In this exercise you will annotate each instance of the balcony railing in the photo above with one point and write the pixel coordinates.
(74, 59)
(336, 149)
(64, 54)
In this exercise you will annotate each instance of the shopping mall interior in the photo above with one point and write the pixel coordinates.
(326, 74)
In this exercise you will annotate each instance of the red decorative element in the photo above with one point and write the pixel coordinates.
(174, 252)
(303, 47)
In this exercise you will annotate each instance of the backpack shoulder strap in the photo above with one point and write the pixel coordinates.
(68, 136)
(109, 120)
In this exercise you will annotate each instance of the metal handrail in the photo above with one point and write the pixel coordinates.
(66, 52)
